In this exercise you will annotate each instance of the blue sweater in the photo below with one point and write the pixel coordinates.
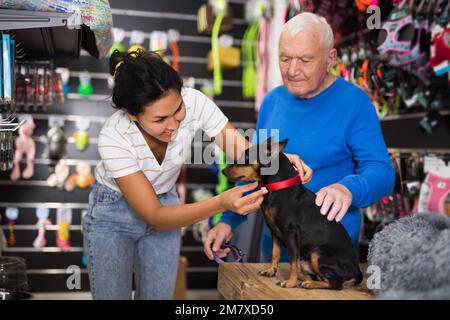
(337, 133)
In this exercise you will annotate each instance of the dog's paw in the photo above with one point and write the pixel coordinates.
(268, 272)
(289, 284)
(308, 284)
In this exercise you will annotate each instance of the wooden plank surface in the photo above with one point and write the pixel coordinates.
(240, 281)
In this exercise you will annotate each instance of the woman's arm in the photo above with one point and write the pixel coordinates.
(141, 196)
(231, 141)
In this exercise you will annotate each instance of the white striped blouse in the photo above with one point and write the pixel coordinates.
(123, 149)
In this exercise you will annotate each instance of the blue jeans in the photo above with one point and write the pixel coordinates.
(118, 244)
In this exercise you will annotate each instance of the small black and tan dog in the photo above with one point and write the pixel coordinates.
(321, 252)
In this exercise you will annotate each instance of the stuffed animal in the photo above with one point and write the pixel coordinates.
(24, 146)
(59, 177)
(81, 135)
(56, 142)
(82, 179)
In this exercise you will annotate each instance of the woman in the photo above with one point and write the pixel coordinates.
(134, 219)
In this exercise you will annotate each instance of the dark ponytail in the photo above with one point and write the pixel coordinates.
(141, 77)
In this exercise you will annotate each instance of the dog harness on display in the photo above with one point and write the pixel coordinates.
(442, 12)
(439, 189)
(416, 55)
(362, 5)
(284, 184)
(441, 43)
(235, 252)
(398, 32)
(296, 7)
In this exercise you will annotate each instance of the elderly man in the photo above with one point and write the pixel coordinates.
(331, 123)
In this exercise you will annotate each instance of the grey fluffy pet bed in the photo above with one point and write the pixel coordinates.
(413, 255)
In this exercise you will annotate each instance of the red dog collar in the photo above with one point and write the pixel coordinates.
(283, 184)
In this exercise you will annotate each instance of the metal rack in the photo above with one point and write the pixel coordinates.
(44, 34)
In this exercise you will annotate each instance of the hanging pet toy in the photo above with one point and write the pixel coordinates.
(25, 145)
(42, 215)
(158, 43)
(11, 214)
(55, 140)
(63, 219)
(118, 35)
(220, 9)
(85, 86)
(173, 37)
(136, 39)
(82, 179)
(59, 177)
(64, 75)
(81, 135)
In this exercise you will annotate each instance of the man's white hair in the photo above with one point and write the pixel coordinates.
(307, 20)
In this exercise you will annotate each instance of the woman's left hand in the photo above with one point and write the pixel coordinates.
(304, 171)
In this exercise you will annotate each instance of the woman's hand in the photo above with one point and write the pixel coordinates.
(233, 199)
(304, 171)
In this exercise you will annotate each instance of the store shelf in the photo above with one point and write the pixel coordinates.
(412, 115)
(43, 183)
(25, 19)
(50, 205)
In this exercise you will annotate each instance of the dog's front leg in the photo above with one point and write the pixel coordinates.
(276, 255)
(293, 281)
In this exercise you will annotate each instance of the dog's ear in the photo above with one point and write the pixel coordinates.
(269, 141)
(275, 149)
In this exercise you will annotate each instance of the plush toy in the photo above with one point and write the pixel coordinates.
(55, 144)
(42, 215)
(82, 179)
(24, 146)
(81, 136)
(59, 177)
(63, 219)
(11, 213)
(136, 40)
(85, 86)
(63, 79)
(118, 35)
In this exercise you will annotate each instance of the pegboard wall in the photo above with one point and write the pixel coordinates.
(47, 266)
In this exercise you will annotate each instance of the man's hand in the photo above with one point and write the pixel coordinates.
(217, 235)
(335, 196)
(304, 171)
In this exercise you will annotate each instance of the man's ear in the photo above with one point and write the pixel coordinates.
(331, 59)
(277, 148)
